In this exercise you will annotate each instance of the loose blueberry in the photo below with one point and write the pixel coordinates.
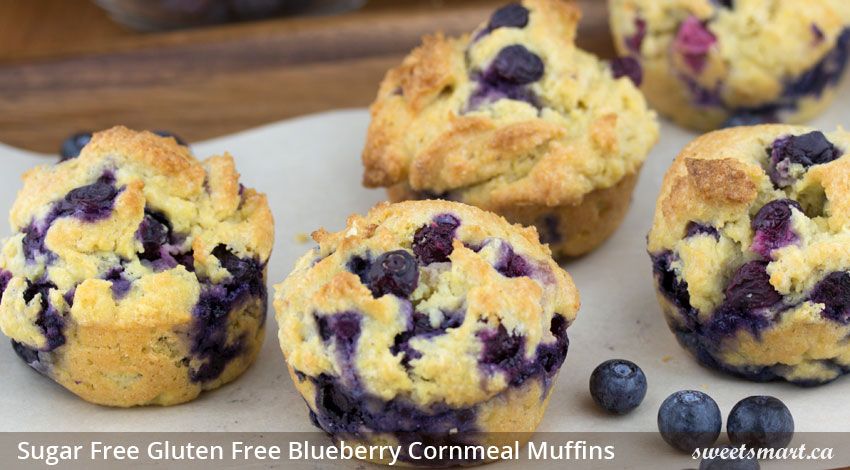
(688, 420)
(694, 41)
(516, 65)
(627, 67)
(834, 293)
(730, 458)
(73, 145)
(395, 272)
(509, 16)
(618, 386)
(772, 226)
(433, 242)
(760, 422)
(750, 288)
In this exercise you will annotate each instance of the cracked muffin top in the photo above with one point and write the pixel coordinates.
(512, 114)
(752, 229)
(741, 52)
(131, 233)
(428, 301)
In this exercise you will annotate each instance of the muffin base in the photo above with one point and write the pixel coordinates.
(705, 351)
(569, 230)
(126, 367)
(509, 417)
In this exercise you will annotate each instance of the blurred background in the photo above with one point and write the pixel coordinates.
(205, 68)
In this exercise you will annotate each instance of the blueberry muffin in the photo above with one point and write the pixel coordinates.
(751, 252)
(136, 274)
(515, 119)
(715, 63)
(425, 320)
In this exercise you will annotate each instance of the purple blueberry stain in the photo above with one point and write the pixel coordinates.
(120, 284)
(432, 243)
(672, 287)
(834, 293)
(818, 34)
(807, 150)
(161, 246)
(627, 67)
(503, 351)
(49, 320)
(749, 297)
(694, 41)
(826, 73)
(88, 203)
(5, 277)
(772, 226)
(511, 264)
(420, 326)
(694, 229)
(550, 229)
(635, 41)
(209, 341)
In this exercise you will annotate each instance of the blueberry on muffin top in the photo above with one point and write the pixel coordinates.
(427, 303)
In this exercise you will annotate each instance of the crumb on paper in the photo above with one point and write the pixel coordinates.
(666, 359)
(302, 237)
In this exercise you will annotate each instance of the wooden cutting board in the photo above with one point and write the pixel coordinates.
(65, 67)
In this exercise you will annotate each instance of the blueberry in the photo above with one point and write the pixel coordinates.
(91, 202)
(760, 422)
(635, 41)
(806, 150)
(750, 288)
(153, 232)
(176, 137)
(695, 228)
(726, 4)
(516, 65)
(694, 41)
(432, 243)
(73, 145)
(834, 293)
(512, 265)
(627, 67)
(730, 458)
(772, 226)
(618, 386)
(688, 420)
(395, 272)
(513, 15)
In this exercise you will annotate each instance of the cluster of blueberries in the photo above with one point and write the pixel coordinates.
(690, 420)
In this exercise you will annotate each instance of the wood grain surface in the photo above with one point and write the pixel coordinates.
(65, 67)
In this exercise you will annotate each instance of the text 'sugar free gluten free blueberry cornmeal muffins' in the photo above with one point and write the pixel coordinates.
(713, 63)
(426, 320)
(751, 252)
(136, 274)
(515, 119)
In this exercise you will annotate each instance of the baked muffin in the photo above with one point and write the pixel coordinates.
(751, 252)
(714, 63)
(425, 321)
(517, 120)
(136, 274)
